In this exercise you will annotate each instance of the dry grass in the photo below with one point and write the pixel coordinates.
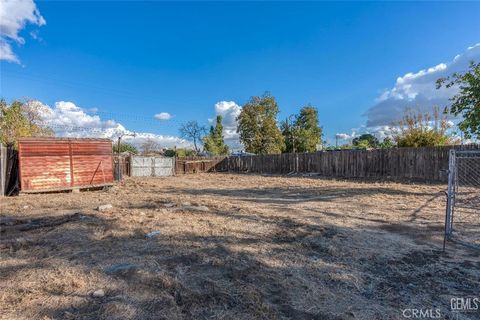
(267, 248)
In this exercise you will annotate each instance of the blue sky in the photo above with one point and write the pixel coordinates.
(132, 60)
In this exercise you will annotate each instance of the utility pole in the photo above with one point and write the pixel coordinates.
(118, 146)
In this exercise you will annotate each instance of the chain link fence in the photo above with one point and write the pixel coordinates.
(462, 223)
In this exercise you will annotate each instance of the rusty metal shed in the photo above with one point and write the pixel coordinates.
(53, 164)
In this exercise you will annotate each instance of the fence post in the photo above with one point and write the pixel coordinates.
(450, 191)
(152, 167)
(3, 169)
(296, 162)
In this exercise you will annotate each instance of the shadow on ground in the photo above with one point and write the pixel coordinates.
(295, 270)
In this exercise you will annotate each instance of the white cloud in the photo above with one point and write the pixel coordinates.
(69, 120)
(14, 15)
(69, 116)
(163, 141)
(229, 110)
(382, 132)
(163, 116)
(418, 90)
(342, 136)
(6, 52)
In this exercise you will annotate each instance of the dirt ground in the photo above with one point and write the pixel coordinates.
(232, 247)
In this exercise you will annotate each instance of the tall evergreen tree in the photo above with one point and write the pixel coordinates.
(289, 131)
(214, 142)
(257, 126)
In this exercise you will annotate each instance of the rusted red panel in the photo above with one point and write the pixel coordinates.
(61, 163)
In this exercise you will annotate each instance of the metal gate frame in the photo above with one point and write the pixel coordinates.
(150, 166)
(452, 190)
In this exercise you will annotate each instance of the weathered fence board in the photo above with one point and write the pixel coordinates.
(420, 164)
(186, 165)
(124, 162)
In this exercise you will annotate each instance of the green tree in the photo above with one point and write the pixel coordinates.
(467, 101)
(303, 134)
(387, 143)
(124, 147)
(416, 130)
(309, 131)
(181, 152)
(340, 147)
(170, 153)
(289, 132)
(21, 119)
(365, 141)
(214, 141)
(257, 126)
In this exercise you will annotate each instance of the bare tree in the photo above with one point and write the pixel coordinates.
(150, 146)
(191, 130)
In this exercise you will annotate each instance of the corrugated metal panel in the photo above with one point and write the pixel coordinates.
(55, 163)
(163, 167)
(151, 166)
(92, 163)
(141, 166)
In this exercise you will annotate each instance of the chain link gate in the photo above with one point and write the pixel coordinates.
(462, 222)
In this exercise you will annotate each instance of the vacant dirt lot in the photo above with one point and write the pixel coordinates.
(232, 247)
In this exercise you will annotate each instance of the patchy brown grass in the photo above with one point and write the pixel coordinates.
(267, 248)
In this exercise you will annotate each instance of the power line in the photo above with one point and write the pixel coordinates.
(75, 84)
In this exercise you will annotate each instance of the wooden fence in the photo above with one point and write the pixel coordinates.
(124, 164)
(186, 165)
(417, 164)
